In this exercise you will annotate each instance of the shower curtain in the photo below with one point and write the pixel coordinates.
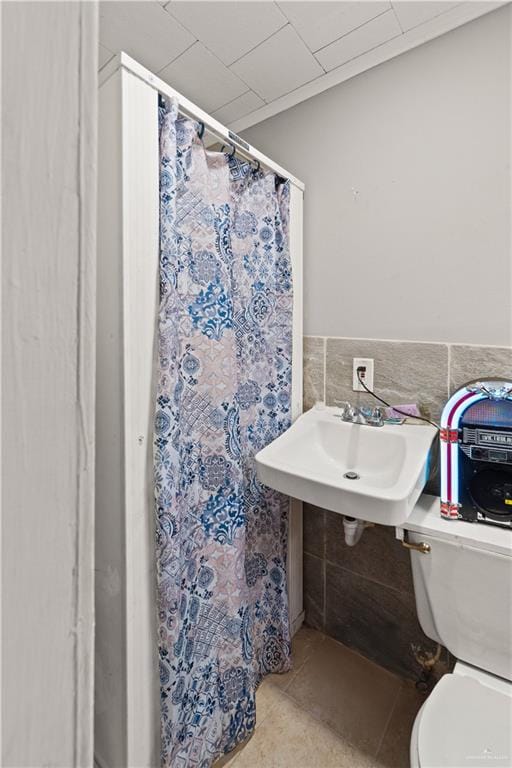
(224, 391)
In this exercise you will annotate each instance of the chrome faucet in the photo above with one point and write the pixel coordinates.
(371, 417)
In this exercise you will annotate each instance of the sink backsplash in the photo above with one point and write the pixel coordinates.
(426, 373)
(363, 596)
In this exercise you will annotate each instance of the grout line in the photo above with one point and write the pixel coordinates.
(283, 25)
(324, 568)
(312, 53)
(355, 29)
(324, 606)
(284, 688)
(281, 689)
(230, 102)
(388, 722)
(325, 367)
(324, 536)
(296, 672)
(370, 50)
(159, 71)
(361, 576)
(200, 42)
(398, 19)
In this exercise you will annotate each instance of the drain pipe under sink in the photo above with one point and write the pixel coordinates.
(354, 529)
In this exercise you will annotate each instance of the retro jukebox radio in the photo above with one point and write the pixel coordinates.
(476, 454)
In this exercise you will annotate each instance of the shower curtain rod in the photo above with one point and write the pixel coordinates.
(191, 110)
(236, 143)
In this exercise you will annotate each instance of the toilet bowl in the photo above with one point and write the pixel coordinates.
(463, 590)
(466, 721)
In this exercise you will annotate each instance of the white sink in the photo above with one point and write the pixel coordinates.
(310, 460)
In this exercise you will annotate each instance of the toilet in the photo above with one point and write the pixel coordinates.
(463, 589)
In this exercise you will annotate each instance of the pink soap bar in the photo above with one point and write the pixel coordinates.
(411, 409)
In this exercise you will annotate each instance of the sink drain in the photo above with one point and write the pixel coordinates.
(351, 475)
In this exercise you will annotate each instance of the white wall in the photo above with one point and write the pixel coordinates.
(407, 205)
(49, 165)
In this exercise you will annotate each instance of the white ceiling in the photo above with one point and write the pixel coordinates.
(243, 61)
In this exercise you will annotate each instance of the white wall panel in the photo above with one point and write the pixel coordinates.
(49, 65)
(127, 706)
(110, 660)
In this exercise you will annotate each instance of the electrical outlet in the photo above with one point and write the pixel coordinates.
(366, 375)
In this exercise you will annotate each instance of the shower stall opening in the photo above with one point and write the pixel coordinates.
(127, 708)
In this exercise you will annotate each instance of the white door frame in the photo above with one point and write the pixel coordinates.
(127, 696)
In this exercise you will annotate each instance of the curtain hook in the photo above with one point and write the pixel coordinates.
(200, 129)
(256, 167)
(233, 149)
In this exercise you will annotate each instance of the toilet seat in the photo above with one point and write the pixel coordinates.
(465, 722)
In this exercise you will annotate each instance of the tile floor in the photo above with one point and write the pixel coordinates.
(335, 709)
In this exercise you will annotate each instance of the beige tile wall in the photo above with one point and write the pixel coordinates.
(405, 371)
(468, 363)
(364, 596)
(314, 370)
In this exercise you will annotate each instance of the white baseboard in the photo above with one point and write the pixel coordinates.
(297, 623)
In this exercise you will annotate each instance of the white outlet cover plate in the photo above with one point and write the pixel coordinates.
(368, 378)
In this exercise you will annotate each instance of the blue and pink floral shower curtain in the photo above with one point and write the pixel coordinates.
(224, 386)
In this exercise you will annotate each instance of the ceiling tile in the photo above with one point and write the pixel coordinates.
(320, 23)
(279, 65)
(228, 29)
(104, 55)
(144, 30)
(202, 78)
(412, 13)
(359, 41)
(239, 107)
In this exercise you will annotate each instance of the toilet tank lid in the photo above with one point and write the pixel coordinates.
(464, 722)
(426, 519)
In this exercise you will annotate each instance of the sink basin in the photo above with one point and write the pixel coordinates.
(371, 473)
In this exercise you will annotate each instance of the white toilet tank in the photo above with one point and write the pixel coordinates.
(463, 586)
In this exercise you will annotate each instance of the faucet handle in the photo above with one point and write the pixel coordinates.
(347, 411)
(354, 414)
(377, 417)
